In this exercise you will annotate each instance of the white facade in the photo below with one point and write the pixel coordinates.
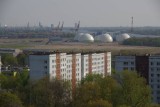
(69, 69)
(125, 63)
(109, 61)
(96, 63)
(154, 77)
(68, 66)
(53, 65)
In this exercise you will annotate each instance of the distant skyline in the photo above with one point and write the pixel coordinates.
(91, 13)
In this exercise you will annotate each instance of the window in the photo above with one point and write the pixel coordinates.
(158, 69)
(158, 98)
(151, 63)
(45, 67)
(152, 80)
(125, 63)
(152, 75)
(158, 75)
(158, 86)
(132, 63)
(158, 63)
(45, 61)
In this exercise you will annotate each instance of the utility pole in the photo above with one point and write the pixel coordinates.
(132, 21)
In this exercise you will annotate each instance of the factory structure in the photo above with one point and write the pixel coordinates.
(148, 66)
(69, 66)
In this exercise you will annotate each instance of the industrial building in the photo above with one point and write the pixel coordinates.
(69, 66)
(148, 66)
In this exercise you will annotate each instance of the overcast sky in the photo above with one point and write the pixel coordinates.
(95, 13)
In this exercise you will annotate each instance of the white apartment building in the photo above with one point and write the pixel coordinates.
(57, 65)
(72, 67)
(96, 63)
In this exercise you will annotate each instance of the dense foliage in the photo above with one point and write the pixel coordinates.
(9, 59)
(142, 42)
(125, 89)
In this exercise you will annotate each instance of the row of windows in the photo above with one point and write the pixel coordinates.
(152, 63)
(152, 75)
(95, 59)
(152, 86)
(152, 69)
(127, 63)
(152, 80)
(68, 76)
(63, 65)
(68, 71)
(64, 59)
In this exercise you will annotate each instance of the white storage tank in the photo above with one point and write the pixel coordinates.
(106, 38)
(86, 38)
(121, 38)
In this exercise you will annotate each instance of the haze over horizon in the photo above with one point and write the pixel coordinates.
(91, 13)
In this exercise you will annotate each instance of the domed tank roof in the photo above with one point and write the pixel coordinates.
(122, 37)
(76, 38)
(106, 38)
(86, 38)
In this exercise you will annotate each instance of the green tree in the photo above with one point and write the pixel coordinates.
(8, 82)
(9, 59)
(21, 58)
(94, 88)
(9, 100)
(133, 90)
(50, 94)
(23, 78)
